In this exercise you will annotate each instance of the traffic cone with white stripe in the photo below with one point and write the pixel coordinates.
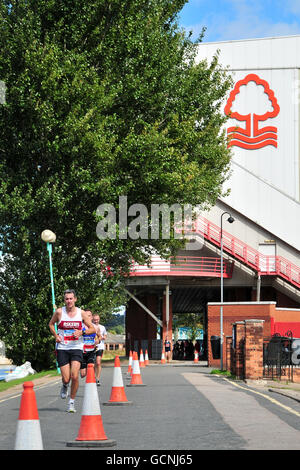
(28, 435)
(118, 395)
(142, 363)
(196, 357)
(163, 359)
(136, 379)
(146, 358)
(129, 363)
(91, 432)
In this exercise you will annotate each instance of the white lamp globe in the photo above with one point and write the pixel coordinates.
(48, 236)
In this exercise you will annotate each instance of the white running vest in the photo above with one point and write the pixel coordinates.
(66, 328)
(103, 332)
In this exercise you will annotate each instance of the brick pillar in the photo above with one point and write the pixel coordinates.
(228, 358)
(254, 349)
(239, 349)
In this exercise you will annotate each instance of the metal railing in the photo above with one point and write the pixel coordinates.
(184, 266)
(265, 265)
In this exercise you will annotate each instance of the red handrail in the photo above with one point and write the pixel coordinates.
(265, 265)
(183, 266)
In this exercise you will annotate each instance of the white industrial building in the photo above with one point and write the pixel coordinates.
(262, 246)
(264, 185)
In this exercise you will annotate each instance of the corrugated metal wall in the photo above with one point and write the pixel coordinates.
(265, 181)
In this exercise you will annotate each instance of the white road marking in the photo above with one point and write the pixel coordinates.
(288, 408)
(259, 427)
(37, 387)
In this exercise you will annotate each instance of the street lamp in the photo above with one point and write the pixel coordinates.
(49, 237)
(230, 220)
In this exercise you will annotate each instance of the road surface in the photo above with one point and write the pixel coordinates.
(180, 408)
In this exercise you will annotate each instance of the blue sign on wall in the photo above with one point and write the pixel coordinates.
(185, 333)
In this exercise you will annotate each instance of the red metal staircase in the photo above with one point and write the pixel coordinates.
(262, 264)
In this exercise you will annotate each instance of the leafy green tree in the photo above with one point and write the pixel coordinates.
(116, 324)
(193, 321)
(103, 99)
(117, 330)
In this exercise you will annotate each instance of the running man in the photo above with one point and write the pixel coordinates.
(89, 347)
(69, 343)
(101, 334)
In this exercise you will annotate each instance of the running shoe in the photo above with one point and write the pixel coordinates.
(64, 391)
(71, 408)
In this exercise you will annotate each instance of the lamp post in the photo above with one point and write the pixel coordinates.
(49, 237)
(230, 220)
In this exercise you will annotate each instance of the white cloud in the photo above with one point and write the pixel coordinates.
(293, 6)
(257, 29)
(244, 20)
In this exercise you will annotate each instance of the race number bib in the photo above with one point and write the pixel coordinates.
(69, 336)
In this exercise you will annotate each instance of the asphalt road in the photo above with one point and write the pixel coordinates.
(180, 408)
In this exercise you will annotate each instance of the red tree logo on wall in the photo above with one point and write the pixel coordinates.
(251, 137)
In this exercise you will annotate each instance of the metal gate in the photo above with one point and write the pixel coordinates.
(277, 357)
(157, 345)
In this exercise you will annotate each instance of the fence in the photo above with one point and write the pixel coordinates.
(278, 357)
(251, 356)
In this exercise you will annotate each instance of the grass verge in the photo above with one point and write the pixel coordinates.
(224, 373)
(108, 357)
(6, 385)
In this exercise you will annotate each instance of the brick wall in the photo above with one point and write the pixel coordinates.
(253, 352)
(232, 313)
(296, 375)
(245, 325)
(228, 358)
(245, 359)
(238, 352)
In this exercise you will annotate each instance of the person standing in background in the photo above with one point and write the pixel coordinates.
(168, 349)
(89, 346)
(101, 334)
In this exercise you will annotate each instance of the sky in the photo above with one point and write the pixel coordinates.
(241, 19)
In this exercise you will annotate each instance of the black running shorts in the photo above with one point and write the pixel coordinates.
(66, 356)
(88, 358)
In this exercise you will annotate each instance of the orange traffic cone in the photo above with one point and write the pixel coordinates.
(129, 363)
(142, 363)
(133, 355)
(91, 432)
(163, 359)
(28, 435)
(136, 378)
(146, 358)
(196, 358)
(117, 396)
